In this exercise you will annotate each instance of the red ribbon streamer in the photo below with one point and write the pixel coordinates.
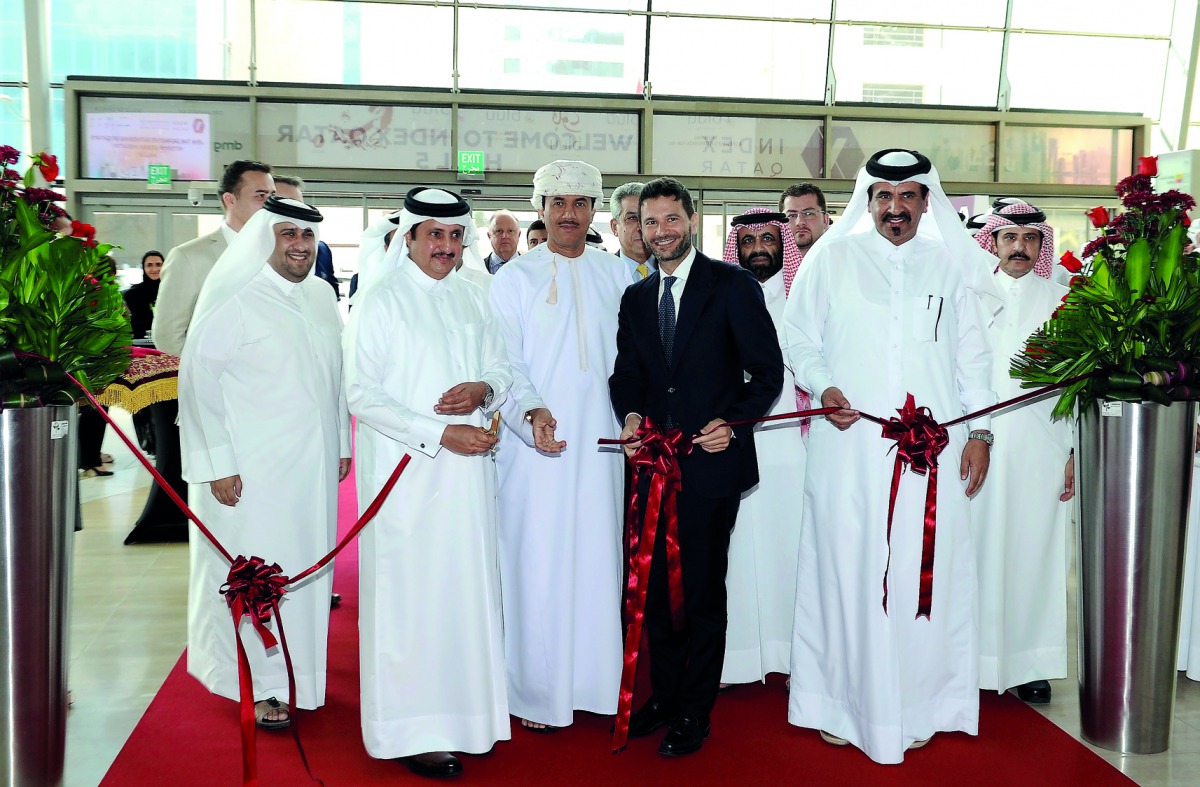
(248, 586)
(919, 440)
(657, 457)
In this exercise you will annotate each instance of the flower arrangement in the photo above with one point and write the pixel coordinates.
(59, 299)
(1131, 319)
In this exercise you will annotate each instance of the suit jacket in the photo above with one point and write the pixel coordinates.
(183, 274)
(727, 365)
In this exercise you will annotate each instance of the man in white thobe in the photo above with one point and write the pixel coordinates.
(877, 312)
(423, 365)
(1020, 521)
(560, 497)
(763, 550)
(265, 438)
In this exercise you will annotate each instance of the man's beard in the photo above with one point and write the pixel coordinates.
(763, 266)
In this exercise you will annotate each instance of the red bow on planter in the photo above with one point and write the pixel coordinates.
(919, 440)
(657, 457)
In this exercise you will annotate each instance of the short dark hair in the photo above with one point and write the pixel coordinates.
(668, 187)
(152, 253)
(232, 177)
(871, 190)
(799, 190)
(291, 180)
(536, 224)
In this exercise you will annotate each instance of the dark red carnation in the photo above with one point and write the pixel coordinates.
(1098, 217)
(36, 195)
(1071, 262)
(1133, 183)
(9, 154)
(1103, 242)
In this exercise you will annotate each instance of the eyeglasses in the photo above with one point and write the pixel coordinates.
(807, 215)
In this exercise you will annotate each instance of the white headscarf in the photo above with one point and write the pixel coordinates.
(249, 252)
(562, 178)
(420, 204)
(371, 247)
(946, 227)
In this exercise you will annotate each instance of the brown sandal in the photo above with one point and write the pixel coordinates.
(271, 705)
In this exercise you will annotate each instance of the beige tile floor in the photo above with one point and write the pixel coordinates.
(128, 629)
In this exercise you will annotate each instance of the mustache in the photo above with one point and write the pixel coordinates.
(905, 215)
(1019, 255)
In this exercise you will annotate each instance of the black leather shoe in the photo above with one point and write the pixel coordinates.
(686, 736)
(1035, 692)
(653, 714)
(433, 765)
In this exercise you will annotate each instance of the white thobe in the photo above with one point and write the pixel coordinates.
(431, 639)
(1019, 526)
(878, 322)
(764, 546)
(560, 515)
(260, 396)
(1189, 624)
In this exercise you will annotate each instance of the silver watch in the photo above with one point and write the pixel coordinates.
(488, 396)
(986, 437)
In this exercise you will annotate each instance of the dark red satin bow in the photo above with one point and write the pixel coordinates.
(919, 440)
(657, 457)
(253, 588)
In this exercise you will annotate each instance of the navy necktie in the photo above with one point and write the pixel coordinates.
(666, 319)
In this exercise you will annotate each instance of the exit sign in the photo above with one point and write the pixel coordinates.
(159, 175)
(470, 162)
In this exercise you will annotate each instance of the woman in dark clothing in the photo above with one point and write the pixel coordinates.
(140, 297)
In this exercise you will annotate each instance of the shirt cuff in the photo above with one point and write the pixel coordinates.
(426, 435)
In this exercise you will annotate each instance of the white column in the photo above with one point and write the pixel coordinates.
(37, 67)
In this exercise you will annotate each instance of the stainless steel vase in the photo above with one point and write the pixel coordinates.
(1134, 470)
(38, 453)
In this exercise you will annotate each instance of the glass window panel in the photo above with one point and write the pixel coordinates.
(1035, 154)
(189, 226)
(354, 136)
(917, 65)
(58, 128)
(1079, 80)
(135, 233)
(120, 136)
(960, 153)
(747, 70)
(14, 123)
(551, 51)
(12, 41)
(978, 13)
(737, 146)
(207, 40)
(516, 140)
(603, 5)
(796, 9)
(1145, 17)
(358, 43)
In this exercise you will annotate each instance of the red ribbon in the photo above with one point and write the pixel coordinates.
(249, 585)
(919, 440)
(657, 457)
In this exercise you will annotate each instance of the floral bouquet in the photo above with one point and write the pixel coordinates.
(61, 311)
(1131, 320)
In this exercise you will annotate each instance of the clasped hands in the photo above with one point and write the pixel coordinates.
(463, 399)
(712, 438)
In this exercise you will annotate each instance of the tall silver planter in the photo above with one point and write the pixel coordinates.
(38, 457)
(1134, 469)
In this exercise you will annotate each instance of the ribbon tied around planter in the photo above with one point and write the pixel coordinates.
(919, 440)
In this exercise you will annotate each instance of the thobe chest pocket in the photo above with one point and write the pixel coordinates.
(466, 349)
(925, 317)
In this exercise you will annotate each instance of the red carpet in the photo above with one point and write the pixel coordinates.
(189, 737)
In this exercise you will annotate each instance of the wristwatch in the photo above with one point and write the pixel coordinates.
(488, 396)
(985, 436)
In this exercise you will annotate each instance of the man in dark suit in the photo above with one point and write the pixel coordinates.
(719, 361)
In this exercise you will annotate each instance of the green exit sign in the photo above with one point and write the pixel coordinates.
(159, 175)
(470, 162)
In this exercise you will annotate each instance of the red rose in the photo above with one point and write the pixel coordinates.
(1098, 216)
(1071, 262)
(48, 165)
(1148, 165)
(85, 232)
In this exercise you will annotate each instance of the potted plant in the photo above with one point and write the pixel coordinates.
(60, 314)
(1127, 338)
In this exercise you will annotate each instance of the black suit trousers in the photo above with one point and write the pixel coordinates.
(685, 666)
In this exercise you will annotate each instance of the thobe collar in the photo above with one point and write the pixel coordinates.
(435, 288)
(1008, 287)
(228, 233)
(288, 288)
(773, 287)
(886, 248)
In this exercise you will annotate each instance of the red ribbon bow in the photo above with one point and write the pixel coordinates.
(658, 456)
(919, 440)
(253, 588)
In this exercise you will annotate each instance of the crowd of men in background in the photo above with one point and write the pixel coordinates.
(498, 380)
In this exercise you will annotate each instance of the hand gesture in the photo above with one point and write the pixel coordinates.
(468, 440)
(462, 399)
(714, 437)
(632, 422)
(227, 490)
(843, 418)
(543, 431)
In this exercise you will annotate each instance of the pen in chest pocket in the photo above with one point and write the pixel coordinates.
(938, 320)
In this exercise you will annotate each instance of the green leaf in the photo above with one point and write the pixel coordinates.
(1137, 266)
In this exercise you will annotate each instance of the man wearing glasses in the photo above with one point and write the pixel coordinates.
(804, 206)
